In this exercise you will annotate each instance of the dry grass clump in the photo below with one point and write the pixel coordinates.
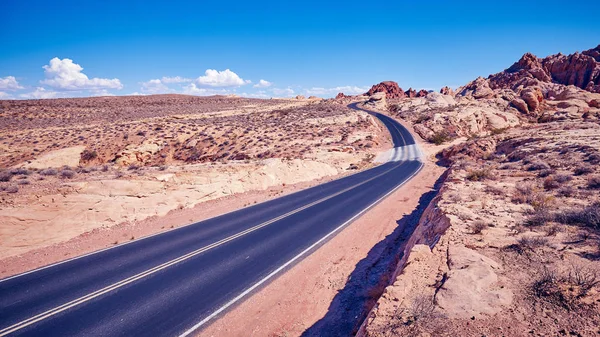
(88, 155)
(594, 182)
(5, 176)
(477, 226)
(49, 172)
(528, 244)
(479, 174)
(583, 169)
(66, 173)
(529, 194)
(440, 137)
(565, 290)
(537, 166)
(586, 217)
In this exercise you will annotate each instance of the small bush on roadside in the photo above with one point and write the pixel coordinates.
(565, 290)
(528, 244)
(477, 226)
(587, 217)
(67, 173)
(539, 218)
(478, 175)
(88, 155)
(49, 172)
(440, 137)
(19, 171)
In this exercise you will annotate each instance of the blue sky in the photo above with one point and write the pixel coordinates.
(306, 47)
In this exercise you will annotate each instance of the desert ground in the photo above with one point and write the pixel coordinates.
(73, 169)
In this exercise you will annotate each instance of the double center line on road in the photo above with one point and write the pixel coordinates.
(100, 292)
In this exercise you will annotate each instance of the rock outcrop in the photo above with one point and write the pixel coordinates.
(579, 69)
(390, 88)
(422, 93)
(447, 91)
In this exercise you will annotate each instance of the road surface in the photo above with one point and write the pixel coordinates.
(173, 283)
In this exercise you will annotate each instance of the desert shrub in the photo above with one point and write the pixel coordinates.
(12, 189)
(565, 290)
(550, 183)
(530, 243)
(19, 171)
(566, 191)
(5, 176)
(528, 194)
(594, 182)
(88, 155)
(477, 226)
(545, 173)
(495, 190)
(539, 218)
(23, 182)
(104, 168)
(49, 172)
(583, 169)
(440, 137)
(538, 165)
(133, 167)
(67, 173)
(563, 178)
(478, 175)
(587, 217)
(498, 131)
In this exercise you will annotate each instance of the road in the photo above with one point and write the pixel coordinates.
(173, 283)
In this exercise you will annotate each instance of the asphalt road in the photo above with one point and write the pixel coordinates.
(172, 284)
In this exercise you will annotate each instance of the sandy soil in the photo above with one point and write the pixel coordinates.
(98, 162)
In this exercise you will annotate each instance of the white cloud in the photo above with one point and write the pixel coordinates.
(192, 89)
(66, 75)
(263, 84)
(225, 78)
(5, 95)
(40, 93)
(348, 90)
(9, 83)
(154, 87)
(283, 92)
(176, 79)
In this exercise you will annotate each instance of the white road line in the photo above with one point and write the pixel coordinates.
(285, 265)
(85, 298)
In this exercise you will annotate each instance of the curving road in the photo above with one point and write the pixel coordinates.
(173, 283)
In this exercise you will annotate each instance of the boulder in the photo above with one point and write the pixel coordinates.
(447, 91)
(533, 97)
(520, 105)
(389, 88)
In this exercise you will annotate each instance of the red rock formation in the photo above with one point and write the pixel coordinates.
(390, 88)
(411, 93)
(422, 93)
(340, 95)
(580, 69)
(447, 91)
